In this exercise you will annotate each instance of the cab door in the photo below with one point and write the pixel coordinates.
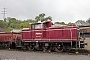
(37, 31)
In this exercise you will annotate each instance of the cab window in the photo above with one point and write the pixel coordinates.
(38, 26)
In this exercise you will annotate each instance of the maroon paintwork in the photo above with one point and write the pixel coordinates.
(8, 37)
(50, 33)
(5, 37)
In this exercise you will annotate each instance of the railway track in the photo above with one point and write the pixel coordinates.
(72, 52)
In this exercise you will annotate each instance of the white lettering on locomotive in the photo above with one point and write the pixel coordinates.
(38, 33)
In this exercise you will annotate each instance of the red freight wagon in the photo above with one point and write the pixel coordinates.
(47, 36)
(7, 39)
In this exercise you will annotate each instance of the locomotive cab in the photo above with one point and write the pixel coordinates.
(41, 25)
(47, 24)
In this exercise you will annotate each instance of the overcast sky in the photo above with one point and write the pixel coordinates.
(59, 10)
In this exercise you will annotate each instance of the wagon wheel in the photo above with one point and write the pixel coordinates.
(8, 44)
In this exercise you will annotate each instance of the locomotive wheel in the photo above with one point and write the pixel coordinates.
(61, 49)
(23, 48)
(56, 49)
(28, 48)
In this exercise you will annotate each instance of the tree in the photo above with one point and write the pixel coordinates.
(5, 20)
(48, 18)
(70, 24)
(42, 15)
(12, 25)
(12, 20)
(60, 23)
(37, 18)
(24, 25)
(42, 18)
(3, 24)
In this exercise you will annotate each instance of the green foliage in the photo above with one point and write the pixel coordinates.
(42, 18)
(9, 28)
(3, 24)
(60, 23)
(70, 24)
(5, 20)
(49, 17)
(24, 25)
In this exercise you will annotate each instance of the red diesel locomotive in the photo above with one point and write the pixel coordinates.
(46, 36)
